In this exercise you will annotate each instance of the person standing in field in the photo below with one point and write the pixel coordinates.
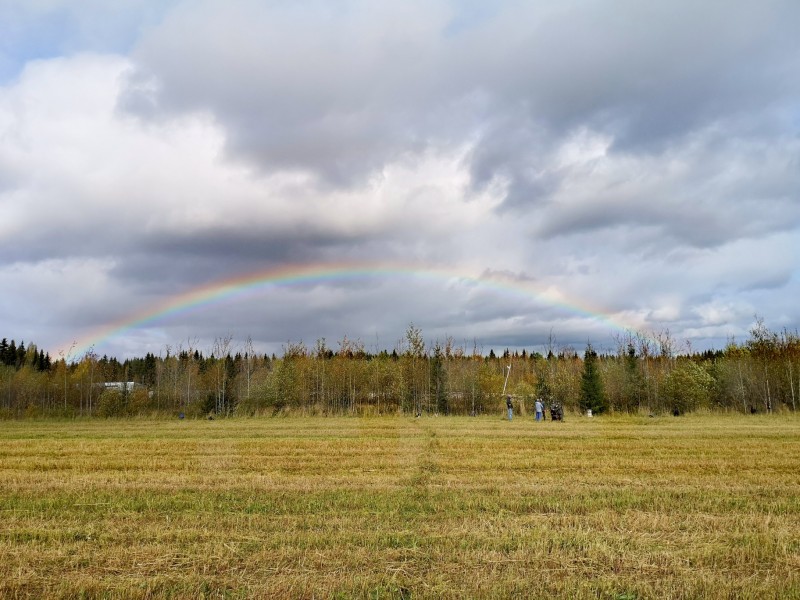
(510, 406)
(539, 410)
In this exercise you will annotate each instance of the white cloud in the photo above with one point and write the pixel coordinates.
(641, 162)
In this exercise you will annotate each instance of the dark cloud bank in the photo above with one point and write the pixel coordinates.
(636, 156)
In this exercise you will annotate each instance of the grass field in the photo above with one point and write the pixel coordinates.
(690, 507)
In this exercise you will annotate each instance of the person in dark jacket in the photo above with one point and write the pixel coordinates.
(510, 406)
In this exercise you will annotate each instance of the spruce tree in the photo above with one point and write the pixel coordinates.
(592, 396)
(11, 355)
(21, 355)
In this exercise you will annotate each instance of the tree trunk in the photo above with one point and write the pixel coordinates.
(769, 397)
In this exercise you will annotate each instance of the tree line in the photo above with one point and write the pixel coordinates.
(644, 373)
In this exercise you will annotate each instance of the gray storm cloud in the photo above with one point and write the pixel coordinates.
(342, 90)
(642, 157)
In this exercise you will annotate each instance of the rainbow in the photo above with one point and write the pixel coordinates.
(318, 274)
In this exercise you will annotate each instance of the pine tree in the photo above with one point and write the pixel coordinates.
(20, 358)
(592, 396)
(149, 369)
(10, 358)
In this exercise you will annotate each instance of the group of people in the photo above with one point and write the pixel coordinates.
(538, 408)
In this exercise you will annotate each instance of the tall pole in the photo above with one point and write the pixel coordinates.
(508, 372)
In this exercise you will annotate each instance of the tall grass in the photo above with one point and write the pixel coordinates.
(700, 506)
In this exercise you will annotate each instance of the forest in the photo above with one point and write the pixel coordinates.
(645, 373)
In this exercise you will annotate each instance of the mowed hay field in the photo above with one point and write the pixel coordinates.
(691, 507)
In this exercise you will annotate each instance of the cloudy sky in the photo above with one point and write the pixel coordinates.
(499, 172)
